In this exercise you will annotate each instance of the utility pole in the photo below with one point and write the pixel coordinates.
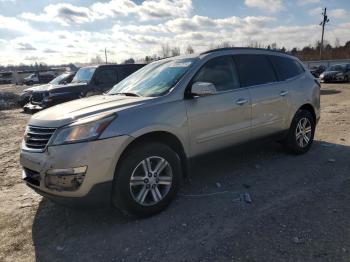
(323, 24)
(106, 55)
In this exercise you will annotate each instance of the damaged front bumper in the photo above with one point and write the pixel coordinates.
(74, 171)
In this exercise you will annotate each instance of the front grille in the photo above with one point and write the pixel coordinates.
(37, 97)
(37, 137)
(32, 177)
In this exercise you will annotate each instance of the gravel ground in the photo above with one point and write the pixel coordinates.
(299, 208)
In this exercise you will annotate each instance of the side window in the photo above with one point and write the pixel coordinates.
(125, 71)
(286, 67)
(254, 70)
(220, 71)
(106, 76)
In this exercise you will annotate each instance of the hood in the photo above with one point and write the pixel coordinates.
(38, 88)
(56, 88)
(60, 88)
(69, 112)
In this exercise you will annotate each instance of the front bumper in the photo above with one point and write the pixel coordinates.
(331, 78)
(29, 107)
(100, 157)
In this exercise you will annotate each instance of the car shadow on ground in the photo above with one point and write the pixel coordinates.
(329, 91)
(212, 219)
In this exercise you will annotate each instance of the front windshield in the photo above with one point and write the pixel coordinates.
(84, 75)
(155, 79)
(336, 68)
(57, 80)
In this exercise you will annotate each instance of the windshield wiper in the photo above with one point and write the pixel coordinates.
(126, 94)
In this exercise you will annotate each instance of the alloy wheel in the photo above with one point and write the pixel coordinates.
(151, 181)
(303, 132)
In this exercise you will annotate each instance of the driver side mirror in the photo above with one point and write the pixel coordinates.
(203, 89)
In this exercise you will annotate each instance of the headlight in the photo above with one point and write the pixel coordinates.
(85, 130)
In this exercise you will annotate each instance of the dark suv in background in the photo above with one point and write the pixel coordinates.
(336, 73)
(88, 81)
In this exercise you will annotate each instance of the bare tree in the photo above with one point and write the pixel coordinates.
(189, 50)
(225, 44)
(96, 60)
(175, 51)
(165, 51)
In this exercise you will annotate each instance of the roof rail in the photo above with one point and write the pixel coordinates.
(241, 48)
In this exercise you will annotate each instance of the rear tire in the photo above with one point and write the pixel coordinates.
(301, 133)
(147, 179)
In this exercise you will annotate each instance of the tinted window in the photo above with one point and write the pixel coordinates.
(221, 72)
(106, 76)
(254, 70)
(286, 67)
(125, 71)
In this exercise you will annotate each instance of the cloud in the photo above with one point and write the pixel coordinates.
(307, 2)
(14, 24)
(271, 6)
(339, 13)
(64, 14)
(68, 14)
(25, 47)
(50, 51)
(315, 11)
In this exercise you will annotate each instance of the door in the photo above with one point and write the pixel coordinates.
(268, 95)
(222, 119)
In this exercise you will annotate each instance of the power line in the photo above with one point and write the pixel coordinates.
(323, 24)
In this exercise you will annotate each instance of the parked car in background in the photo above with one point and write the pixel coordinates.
(88, 81)
(317, 70)
(131, 147)
(31, 79)
(41, 77)
(62, 79)
(336, 73)
(6, 77)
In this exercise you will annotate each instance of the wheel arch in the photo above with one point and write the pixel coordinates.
(309, 108)
(165, 137)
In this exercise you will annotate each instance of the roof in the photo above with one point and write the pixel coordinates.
(241, 48)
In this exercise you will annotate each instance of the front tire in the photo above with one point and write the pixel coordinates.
(301, 133)
(147, 179)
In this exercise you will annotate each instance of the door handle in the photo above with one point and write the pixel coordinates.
(283, 93)
(241, 101)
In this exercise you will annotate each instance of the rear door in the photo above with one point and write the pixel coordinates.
(222, 119)
(269, 96)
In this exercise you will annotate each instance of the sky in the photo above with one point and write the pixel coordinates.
(59, 31)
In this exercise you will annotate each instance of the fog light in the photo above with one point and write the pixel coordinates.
(68, 179)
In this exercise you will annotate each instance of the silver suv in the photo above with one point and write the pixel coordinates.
(131, 147)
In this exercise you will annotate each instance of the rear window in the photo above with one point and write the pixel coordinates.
(285, 67)
(254, 70)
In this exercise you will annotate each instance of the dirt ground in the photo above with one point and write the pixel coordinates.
(299, 211)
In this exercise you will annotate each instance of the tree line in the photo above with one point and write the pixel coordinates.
(307, 53)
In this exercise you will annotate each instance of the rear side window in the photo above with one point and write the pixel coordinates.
(254, 70)
(107, 76)
(221, 72)
(286, 67)
(125, 71)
